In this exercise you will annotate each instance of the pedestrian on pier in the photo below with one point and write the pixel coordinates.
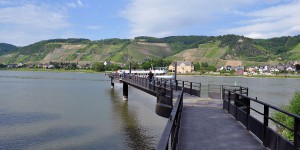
(150, 77)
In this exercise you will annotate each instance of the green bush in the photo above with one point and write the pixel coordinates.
(98, 66)
(293, 107)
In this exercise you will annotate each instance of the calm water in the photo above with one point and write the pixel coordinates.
(42, 110)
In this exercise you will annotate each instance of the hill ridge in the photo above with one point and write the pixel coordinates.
(212, 49)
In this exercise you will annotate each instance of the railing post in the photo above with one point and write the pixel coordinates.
(199, 89)
(172, 97)
(191, 86)
(248, 113)
(229, 97)
(241, 90)
(296, 135)
(153, 88)
(266, 124)
(165, 86)
(208, 90)
(176, 86)
(221, 92)
(236, 104)
(183, 86)
(148, 83)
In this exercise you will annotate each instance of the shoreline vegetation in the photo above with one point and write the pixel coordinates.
(244, 76)
(51, 70)
(295, 75)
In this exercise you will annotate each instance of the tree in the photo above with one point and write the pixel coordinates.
(204, 64)
(135, 65)
(112, 67)
(55, 64)
(2, 66)
(98, 67)
(73, 66)
(197, 66)
(293, 107)
(146, 65)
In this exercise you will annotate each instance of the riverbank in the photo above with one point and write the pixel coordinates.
(51, 70)
(296, 76)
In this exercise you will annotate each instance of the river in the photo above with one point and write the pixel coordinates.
(48, 110)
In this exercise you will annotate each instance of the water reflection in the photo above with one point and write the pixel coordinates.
(53, 134)
(16, 118)
(136, 136)
(51, 78)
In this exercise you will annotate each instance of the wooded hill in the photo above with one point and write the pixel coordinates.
(6, 48)
(215, 50)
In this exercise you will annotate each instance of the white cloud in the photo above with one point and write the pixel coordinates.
(280, 20)
(94, 27)
(5, 2)
(251, 18)
(27, 23)
(34, 16)
(161, 18)
(75, 4)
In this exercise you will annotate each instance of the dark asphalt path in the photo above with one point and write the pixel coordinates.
(206, 126)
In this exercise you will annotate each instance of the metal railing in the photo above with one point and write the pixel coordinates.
(160, 87)
(239, 105)
(215, 91)
(169, 137)
(191, 88)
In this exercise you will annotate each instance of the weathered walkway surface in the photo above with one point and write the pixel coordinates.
(206, 126)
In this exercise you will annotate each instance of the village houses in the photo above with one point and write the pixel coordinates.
(182, 67)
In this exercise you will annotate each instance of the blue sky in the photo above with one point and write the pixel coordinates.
(23, 22)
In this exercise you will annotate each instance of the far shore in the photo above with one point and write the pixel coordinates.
(296, 75)
(51, 70)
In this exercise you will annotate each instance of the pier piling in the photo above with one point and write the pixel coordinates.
(125, 91)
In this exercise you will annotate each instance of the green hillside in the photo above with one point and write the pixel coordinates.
(140, 51)
(296, 49)
(214, 50)
(210, 52)
(7, 48)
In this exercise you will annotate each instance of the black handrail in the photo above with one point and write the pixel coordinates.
(169, 137)
(188, 87)
(236, 97)
(158, 88)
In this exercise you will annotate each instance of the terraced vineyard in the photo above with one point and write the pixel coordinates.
(209, 52)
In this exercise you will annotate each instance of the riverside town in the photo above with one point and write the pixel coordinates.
(184, 67)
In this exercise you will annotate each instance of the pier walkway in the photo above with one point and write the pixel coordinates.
(223, 121)
(205, 125)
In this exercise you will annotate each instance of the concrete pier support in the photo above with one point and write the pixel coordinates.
(125, 91)
(164, 105)
(112, 84)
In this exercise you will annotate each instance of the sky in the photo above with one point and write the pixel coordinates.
(23, 22)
